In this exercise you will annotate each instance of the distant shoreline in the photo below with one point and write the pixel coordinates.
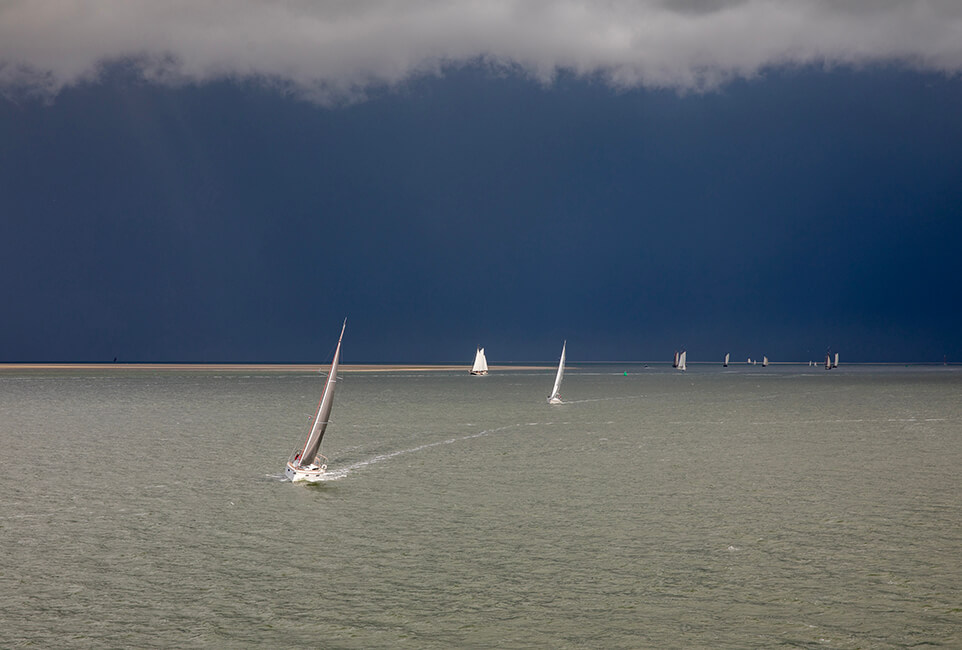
(258, 367)
(401, 367)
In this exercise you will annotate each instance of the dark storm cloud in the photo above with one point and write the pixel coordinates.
(337, 50)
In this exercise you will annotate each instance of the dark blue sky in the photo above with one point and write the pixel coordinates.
(231, 222)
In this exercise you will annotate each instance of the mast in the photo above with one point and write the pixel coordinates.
(561, 372)
(323, 415)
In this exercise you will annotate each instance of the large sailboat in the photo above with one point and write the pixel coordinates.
(305, 463)
(555, 397)
(480, 366)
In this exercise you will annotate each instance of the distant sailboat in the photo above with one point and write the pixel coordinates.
(674, 364)
(725, 365)
(480, 366)
(764, 362)
(683, 360)
(305, 463)
(828, 361)
(835, 362)
(555, 397)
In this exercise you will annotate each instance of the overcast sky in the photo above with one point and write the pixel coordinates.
(210, 181)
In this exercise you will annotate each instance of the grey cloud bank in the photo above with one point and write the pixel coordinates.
(333, 51)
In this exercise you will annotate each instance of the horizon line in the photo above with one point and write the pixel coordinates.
(389, 366)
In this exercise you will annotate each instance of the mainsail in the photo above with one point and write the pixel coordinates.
(835, 363)
(323, 409)
(560, 375)
(764, 362)
(683, 360)
(726, 360)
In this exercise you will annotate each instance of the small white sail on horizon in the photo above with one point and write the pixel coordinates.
(305, 463)
(764, 361)
(835, 362)
(725, 365)
(480, 366)
(683, 360)
(555, 397)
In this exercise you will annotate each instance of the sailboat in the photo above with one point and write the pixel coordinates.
(555, 397)
(305, 463)
(764, 361)
(682, 360)
(480, 366)
(835, 362)
(725, 365)
(828, 361)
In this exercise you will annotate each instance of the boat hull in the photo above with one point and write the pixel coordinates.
(555, 400)
(479, 372)
(310, 474)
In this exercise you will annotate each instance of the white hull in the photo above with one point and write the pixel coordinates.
(477, 372)
(555, 400)
(312, 473)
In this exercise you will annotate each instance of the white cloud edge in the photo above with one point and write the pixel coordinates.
(335, 50)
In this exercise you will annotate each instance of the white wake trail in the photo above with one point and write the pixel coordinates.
(341, 472)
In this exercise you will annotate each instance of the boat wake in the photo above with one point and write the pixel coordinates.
(341, 472)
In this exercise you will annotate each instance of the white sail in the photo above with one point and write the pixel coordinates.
(674, 363)
(764, 361)
(835, 363)
(324, 406)
(726, 360)
(555, 397)
(682, 360)
(480, 366)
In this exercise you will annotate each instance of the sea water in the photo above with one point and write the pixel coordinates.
(739, 507)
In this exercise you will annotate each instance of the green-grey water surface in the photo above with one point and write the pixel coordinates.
(788, 506)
